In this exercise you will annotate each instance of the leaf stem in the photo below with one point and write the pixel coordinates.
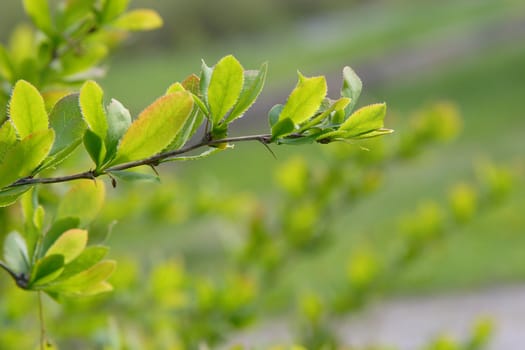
(151, 161)
(43, 337)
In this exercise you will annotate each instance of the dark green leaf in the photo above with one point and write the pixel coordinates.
(66, 119)
(273, 115)
(133, 176)
(95, 147)
(46, 270)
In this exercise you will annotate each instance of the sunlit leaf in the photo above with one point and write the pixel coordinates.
(92, 107)
(282, 127)
(137, 20)
(57, 228)
(6, 67)
(82, 282)
(74, 62)
(155, 127)
(84, 201)
(364, 120)
(113, 9)
(27, 109)
(273, 115)
(334, 107)
(70, 244)
(7, 138)
(253, 85)
(305, 99)
(225, 87)
(192, 84)
(25, 156)
(39, 12)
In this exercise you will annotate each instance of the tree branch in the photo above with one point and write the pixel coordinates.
(151, 161)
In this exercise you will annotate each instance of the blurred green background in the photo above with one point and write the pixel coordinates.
(408, 53)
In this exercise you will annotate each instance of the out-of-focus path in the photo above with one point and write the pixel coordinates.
(409, 323)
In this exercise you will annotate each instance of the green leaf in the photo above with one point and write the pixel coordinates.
(190, 127)
(364, 120)
(204, 81)
(113, 9)
(95, 147)
(7, 138)
(57, 228)
(374, 133)
(15, 253)
(46, 270)
(25, 156)
(155, 127)
(92, 106)
(39, 12)
(175, 87)
(352, 87)
(192, 84)
(87, 259)
(305, 99)
(71, 13)
(225, 87)
(85, 282)
(84, 201)
(6, 67)
(66, 119)
(273, 115)
(27, 109)
(253, 85)
(334, 107)
(207, 153)
(282, 128)
(138, 20)
(11, 195)
(133, 176)
(29, 205)
(119, 121)
(70, 244)
(73, 62)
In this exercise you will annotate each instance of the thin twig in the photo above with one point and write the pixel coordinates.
(43, 338)
(151, 161)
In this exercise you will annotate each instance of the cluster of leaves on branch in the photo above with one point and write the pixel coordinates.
(39, 132)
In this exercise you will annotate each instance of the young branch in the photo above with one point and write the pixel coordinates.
(151, 161)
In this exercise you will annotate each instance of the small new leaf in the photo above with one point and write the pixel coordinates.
(305, 99)
(352, 87)
(92, 106)
(364, 120)
(138, 20)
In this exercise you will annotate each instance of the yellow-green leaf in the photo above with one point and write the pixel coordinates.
(70, 244)
(25, 156)
(305, 99)
(84, 201)
(364, 120)
(7, 138)
(27, 109)
(155, 127)
(253, 85)
(137, 20)
(91, 104)
(87, 280)
(39, 12)
(225, 87)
